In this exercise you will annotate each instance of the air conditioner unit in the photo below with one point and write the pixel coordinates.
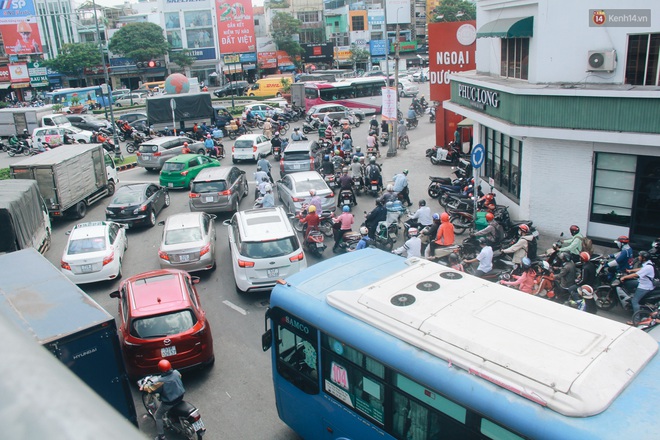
(601, 61)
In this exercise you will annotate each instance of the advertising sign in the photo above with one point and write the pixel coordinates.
(38, 75)
(4, 73)
(19, 73)
(17, 11)
(21, 38)
(319, 52)
(248, 57)
(265, 44)
(378, 47)
(342, 53)
(405, 46)
(389, 104)
(272, 59)
(235, 27)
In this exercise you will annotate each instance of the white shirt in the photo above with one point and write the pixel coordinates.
(423, 215)
(412, 247)
(646, 274)
(485, 258)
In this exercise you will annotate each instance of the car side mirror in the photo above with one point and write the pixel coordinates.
(227, 222)
(195, 280)
(161, 223)
(67, 233)
(115, 294)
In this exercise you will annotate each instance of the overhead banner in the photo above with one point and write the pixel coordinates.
(389, 104)
(18, 73)
(235, 27)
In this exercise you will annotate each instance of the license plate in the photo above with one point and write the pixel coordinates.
(374, 187)
(198, 425)
(184, 257)
(146, 156)
(319, 245)
(296, 166)
(170, 185)
(273, 272)
(168, 351)
(208, 199)
(86, 268)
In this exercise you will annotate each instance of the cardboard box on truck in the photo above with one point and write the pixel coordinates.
(70, 177)
(24, 220)
(68, 323)
(188, 109)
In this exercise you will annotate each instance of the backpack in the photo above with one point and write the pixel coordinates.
(373, 172)
(587, 245)
(499, 233)
(532, 248)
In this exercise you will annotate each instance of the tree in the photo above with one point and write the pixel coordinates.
(182, 58)
(358, 55)
(283, 28)
(139, 42)
(454, 10)
(73, 58)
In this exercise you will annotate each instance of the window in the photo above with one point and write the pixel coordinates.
(296, 351)
(514, 57)
(357, 23)
(642, 60)
(503, 160)
(614, 186)
(309, 17)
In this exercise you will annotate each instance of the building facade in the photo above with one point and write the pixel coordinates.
(565, 100)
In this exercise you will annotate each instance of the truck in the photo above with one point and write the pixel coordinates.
(70, 177)
(24, 220)
(14, 120)
(188, 107)
(41, 302)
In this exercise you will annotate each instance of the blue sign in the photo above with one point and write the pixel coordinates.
(202, 54)
(250, 57)
(378, 47)
(478, 156)
(17, 11)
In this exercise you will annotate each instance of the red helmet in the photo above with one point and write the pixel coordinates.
(584, 256)
(491, 207)
(164, 365)
(490, 216)
(444, 217)
(524, 228)
(623, 239)
(574, 229)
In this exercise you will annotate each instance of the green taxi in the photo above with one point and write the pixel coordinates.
(181, 170)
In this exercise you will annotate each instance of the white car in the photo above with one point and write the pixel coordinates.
(94, 252)
(130, 99)
(54, 136)
(421, 75)
(249, 147)
(264, 248)
(407, 88)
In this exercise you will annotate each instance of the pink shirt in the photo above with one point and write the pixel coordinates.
(346, 220)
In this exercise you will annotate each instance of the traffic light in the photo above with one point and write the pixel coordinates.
(151, 64)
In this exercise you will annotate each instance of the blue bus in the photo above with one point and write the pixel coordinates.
(369, 345)
(87, 96)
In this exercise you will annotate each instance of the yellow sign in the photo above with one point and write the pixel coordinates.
(342, 53)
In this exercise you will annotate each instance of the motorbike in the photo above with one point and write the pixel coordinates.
(411, 123)
(357, 185)
(325, 225)
(373, 188)
(314, 243)
(330, 180)
(183, 418)
(384, 139)
(385, 236)
(21, 147)
(349, 241)
(346, 198)
(438, 157)
(311, 125)
(277, 151)
(431, 111)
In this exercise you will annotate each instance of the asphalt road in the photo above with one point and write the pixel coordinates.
(235, 397)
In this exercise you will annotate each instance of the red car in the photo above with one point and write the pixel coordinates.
(161, 317)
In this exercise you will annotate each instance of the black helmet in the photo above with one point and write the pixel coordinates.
(453, 258)
(422, 202)
(645, 255)
(482, 240)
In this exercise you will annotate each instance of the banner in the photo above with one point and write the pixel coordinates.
(389, 104)
(21, 38)
(17, 11)
(235, 27)
(4, 73)
(272, 59)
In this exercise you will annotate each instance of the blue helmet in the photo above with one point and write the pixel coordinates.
(326, 157)
(346, 208)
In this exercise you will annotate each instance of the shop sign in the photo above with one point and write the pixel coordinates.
(378, 48)
(478, 97)
(4, 74)
(250, 57)
(405, 46)
(342, 53)
(38, 75)
(231, 59)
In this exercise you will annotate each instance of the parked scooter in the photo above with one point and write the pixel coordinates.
(183, 418)
(442, 156)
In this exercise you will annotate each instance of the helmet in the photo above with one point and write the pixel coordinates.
(405, 172)
(362, 158)
(312, 192)
(364, 230)
(586, 291)
(436, 216)
(373, 116)
(372, 159)
(356, 159)
(444, 217)
(346, 208)
(344, 170)
(263, 155)
(645, 255)
(524, 228)
(422, 202)
(412, 232)
(482, 240)
(208, 136)
(546, 266)
(25, 130)
(526, 263)
(336, 152)
(296, 129)
(277, 133)
(185, 144)
(390, 187)
(326, 157)
(268, 188)
(311, 209)
(574, 229)
(563, 256)
(346, 136)
(266, 119)
(584, 256)
(623, 239)
(337, 138)
(489, 216)
(164, 365)
(453, 258)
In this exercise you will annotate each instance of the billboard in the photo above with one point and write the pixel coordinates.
(16, 11)
(21, 38)
(235, 27)
(319, 52)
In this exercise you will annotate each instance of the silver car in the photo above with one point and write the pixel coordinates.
(188, 242)
(153, 153)
(293, 191)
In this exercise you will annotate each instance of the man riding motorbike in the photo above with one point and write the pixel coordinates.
(493, 233)
(345, 184)
(377, 215)
(422, 217)
(401, 186)
(171, 392)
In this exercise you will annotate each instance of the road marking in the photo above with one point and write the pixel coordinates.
(235, 307)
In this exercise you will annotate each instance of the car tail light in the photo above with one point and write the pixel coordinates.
(254, 148)
(242, 263)
(193, 195)
(282, 164)
(163, 255)
(184, 173)
(108, 259)
(205, 250)
(65, 265)
(226, 192)
(296, 199)
(298, 257)
(138, 154)
(158, 154)
(330, 196)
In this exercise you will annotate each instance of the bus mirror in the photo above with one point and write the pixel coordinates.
(266, 340)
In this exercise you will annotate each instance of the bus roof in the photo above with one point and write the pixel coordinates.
(570, 361)
(344, 83)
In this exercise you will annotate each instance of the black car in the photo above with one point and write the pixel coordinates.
(239, 88)
(140, 125)
(137, 204)
(88, 122)
(130, 117)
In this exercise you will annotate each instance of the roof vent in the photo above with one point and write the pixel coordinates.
(451, 275)
(403, 300)
(428, 286)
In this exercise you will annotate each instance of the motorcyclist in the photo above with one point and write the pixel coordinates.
(401, 186)
(587, 275)
(645, 273)
(525, 281)
(268, 201)
(422, 217)
(485, 258)
(373, 124)
(13, 141)
(210, 146)
(311, 221)
(622, 260)
(389, 195)
(345, 184)
(356, 170)
(573, 245)
(346, 144)
(566, 276)
(377, 215)
(412, 115)
(422, 102)
(345, 221)
(586, 302)
(315, 200)
(402, 132)
(412, 247)
(259, 177)
(358, 152)
(327, 120)
(185, 149)
(364, 240)
(276, 142)
(444, 236)
(337, 160)
(327, 167)
(430, 234)
(328, 131)
(373, 172)
(265, 166)
(171, 390)
(519, 248)
(493, 233)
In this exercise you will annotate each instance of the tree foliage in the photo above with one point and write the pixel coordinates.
(358, 54)
(449, 9)
(73, 58)
(139, 41)
(283, 28)
(182, 58)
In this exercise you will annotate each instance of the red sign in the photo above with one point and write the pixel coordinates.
(21, 38)
(270, 60)
(4, 73)
(451, 49)
(235, 26)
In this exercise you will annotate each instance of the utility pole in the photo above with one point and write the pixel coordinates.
(396, 89)
(390, 150)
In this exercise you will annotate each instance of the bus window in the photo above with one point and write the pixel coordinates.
(296, 352)
(496, 432)
(311, 93)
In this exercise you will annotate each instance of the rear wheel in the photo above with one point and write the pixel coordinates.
(643, 318)
(152, 219)
(111, 188)
(604, 297)
(459, 225)
(130, 148)
(81, 209)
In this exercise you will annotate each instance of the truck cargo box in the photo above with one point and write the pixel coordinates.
(24, 219)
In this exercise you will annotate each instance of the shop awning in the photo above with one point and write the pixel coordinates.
(4, 86)
(507, 28)
(467, 122)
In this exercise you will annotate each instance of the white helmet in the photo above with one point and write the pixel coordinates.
(268, 187)
(390, 187)
(364, 230)
(412, 232)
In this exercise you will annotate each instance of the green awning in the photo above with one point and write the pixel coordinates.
(507, 28)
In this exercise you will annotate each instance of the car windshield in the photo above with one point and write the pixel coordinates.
(185, 235)
(245, 143)
(173, 166)
(296, 155)
(269, 249)
(207, 187)
(85, 245)
(127, 198)
(305, 185)
(163, 325)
